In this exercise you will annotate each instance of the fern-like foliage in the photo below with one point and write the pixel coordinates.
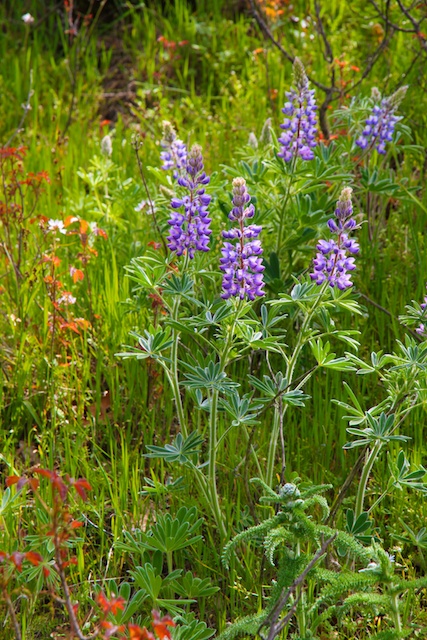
(306, 593)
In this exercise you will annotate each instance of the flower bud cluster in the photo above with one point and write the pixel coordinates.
(422, 329)
(332, 262)
(379, 127)
(299, 126)
(174, 154)
(241, 261)
(189, 231)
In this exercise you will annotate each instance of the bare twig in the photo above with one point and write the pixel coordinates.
(152, 207)
(10, 608)
(266, 30)
(272, 620)
(346, 486)
(395, 26)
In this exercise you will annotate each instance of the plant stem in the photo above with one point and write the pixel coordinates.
(290, 369)
(12, 614)
(173, 378)
(282, 217)
(272, 446)
(212, 488)
(367, 468)
(394, 597)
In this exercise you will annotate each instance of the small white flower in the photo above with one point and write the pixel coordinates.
(56, 225)
(67, 298)
(145, 205)
(27, 18)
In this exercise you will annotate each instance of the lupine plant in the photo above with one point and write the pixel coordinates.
(227, 322)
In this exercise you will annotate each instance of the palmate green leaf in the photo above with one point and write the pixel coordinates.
(189, 628)
(177, 285)
(343, 300)
(194, 587)
(301, 292)
(210, 378)
(255, 340)
(134, 604)
(378, 430)
(356, 414)
(403, 477)
(359, 527)
(170, 533)
(413, 355)
(147, 271)
(151, 345)
(328, 360)
(268, 386)
(181, 450)
(243, 410)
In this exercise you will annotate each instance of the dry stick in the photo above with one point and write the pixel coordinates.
(152, 207)
(12, 614)
(272, 619)
(346, 486)
(414, 23)
(388, 34)
(395, 26)
(332, 92)
(265, 29)
(329, 57)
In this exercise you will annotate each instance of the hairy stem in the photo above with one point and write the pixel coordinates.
(366, 471)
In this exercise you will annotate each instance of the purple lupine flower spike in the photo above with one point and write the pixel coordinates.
(422, 329)
(190, 230)
(241, 262)
(332, 261)
(299, 126)
(379, 127)
(174, 154)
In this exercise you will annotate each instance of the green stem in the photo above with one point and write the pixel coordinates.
(302, 623)
(173, 378)
(212, 488)
(394, 597)
(282, 217)
(290, 369)
(367, 468)
(273, 447)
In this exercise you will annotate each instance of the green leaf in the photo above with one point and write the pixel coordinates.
(181, 450)
(210, 378)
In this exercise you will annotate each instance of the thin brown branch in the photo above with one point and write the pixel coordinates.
(272, 620)
(10, 608)
(147, 191)
(267, 32)
(395, 26)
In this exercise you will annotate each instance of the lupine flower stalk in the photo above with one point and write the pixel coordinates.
(241, 262)
(174, 154)
(190, 230)
(379, 127)
(299, 126)
(332, 262)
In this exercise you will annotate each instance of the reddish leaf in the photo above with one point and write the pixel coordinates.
(76, 524)
(10, 480)
(138, 633)
(160, 625)
(33, 557)
(81, 485)
(113, 605)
